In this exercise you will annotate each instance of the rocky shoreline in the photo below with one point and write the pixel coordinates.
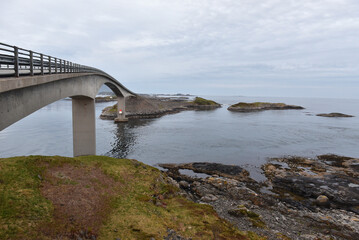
(302, 198)
(154, 107)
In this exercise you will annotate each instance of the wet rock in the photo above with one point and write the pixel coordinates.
(223, 170)
(334, 114)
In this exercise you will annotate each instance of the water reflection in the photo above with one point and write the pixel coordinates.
(125, 137)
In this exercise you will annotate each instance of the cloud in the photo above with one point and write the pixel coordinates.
(240, 42)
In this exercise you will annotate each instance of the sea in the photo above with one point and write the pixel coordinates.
(221, 136)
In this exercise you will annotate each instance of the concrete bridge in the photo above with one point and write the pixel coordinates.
(31, 80)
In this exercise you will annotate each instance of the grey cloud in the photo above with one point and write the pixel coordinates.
(216, 43)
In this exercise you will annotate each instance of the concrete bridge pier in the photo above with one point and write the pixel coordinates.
(121, 110)
(83, 126)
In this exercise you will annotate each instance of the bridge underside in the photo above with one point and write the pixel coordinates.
(28, 94)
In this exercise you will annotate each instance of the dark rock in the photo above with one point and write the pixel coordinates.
(223, 170)
(333, 115)
(172, 235)
(322, 201)
(184, 184)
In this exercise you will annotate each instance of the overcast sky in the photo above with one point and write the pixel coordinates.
(301, 48)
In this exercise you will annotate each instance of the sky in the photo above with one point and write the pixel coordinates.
(286, 48)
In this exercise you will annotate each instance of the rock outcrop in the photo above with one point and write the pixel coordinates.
(334, 114)
(260, 106)
(154, 107)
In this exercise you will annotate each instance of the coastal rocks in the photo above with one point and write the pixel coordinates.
(334, 114)
(209, 198)
(153, 107)
(327, 178)
(260, 106)
(183, 184)
(232, 171)
(304, 198)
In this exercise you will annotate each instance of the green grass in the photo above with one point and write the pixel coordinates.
(202, 101)
(144, 207)
(113, 108)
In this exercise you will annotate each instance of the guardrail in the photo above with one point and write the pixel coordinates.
(15, 62)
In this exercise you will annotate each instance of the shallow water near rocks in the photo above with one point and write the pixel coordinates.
(245, 139)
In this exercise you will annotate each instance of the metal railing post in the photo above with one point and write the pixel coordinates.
(56, 65)
(42, 63)
(16, 61)
(31, 63)
(49, 64)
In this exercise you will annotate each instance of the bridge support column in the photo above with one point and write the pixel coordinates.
(121, 110)
(83, 126)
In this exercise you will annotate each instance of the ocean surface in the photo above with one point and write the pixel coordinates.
(245, 139)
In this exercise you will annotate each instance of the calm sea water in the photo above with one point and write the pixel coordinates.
(245, 139)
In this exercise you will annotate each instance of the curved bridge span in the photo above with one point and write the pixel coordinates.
(30, 81)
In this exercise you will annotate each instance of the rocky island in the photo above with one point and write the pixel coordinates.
(154, 107)
(260, 106)
(336, 115)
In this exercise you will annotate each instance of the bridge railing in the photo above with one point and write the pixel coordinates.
(16, 61)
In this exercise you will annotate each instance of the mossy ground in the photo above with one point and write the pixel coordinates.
(144, 205)
(112, 109)
(202, 101)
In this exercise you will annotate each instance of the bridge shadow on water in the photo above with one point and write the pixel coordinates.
(125, 138)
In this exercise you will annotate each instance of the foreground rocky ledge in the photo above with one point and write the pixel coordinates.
(334, 115)
(260, 106)
(154, 107)
(302, 199)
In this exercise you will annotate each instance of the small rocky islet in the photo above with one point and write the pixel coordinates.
(260, 106)
(302, 198)
(334, 115)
